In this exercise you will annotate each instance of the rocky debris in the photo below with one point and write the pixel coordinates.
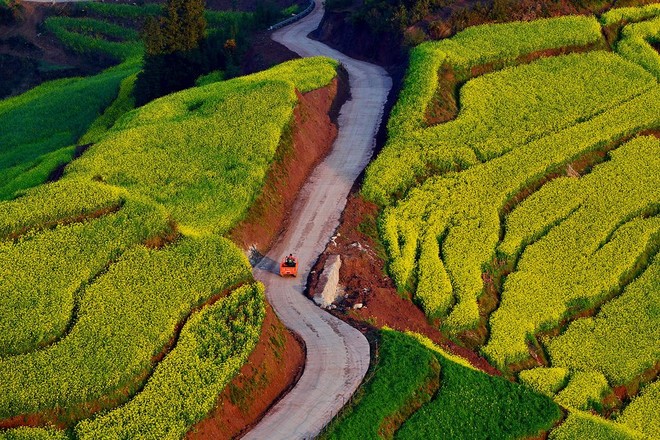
(328, 291)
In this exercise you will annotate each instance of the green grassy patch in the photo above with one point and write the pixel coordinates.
(405, 376)
(468, 404)
(47, 119)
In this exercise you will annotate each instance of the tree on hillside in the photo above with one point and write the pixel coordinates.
(173, 59)
(180, 30)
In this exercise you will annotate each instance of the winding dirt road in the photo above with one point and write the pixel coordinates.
(337, 354)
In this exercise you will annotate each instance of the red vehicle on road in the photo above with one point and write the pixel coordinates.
(289, 266)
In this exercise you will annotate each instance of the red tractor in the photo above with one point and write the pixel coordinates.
(289, 266)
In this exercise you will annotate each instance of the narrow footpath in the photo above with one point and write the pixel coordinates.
(337, 354)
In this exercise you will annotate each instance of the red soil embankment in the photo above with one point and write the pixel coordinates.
(303, 146)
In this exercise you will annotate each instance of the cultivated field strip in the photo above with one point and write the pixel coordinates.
(583, 260)
(37, 311)
(213, 346)
(526, 212)
(627, 324)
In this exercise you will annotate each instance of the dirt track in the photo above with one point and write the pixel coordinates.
(337, 354)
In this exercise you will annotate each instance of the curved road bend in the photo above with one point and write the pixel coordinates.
(337, 354)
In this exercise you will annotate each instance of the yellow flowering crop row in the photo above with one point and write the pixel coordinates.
(584, 389)
(463, 208)
(203, 152)
(409, 148)
(43, 275)
(584, 425)
(622, 340)
(585, 258)
(634, 45)
(643, 413)
(126, 317)
(546, 381)
(632, 14)
(52, 203)
(213, 346)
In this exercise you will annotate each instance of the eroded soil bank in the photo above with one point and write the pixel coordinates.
(303, 146)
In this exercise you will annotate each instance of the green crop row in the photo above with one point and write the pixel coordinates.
(502, 44)
(32, 173)
(473, 404)
(627, 15)
(463, 208)
(305, 74)
(125, 318)
(469, 403)
(37, 310)
(634, 45)
(47, 119)
(403, 378)
(112, 10)
(67, 30)
(92, 27)
(203, 153)
(583, 425)
(622, 340)
(210, 350)
(643, 413)
(586, 257)
(213, 346)
(215, 19)
(124, 103)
